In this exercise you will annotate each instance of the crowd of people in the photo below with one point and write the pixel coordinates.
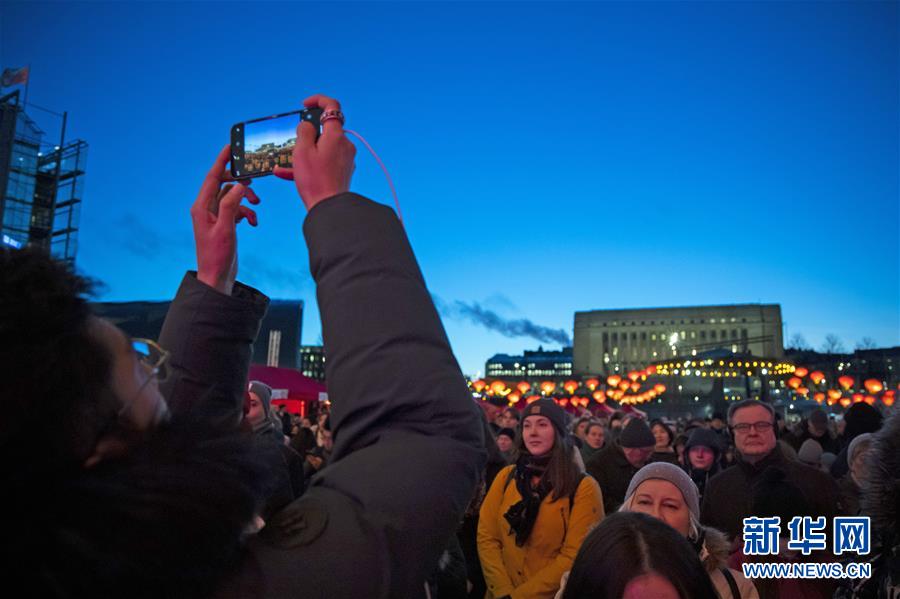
(154, 468)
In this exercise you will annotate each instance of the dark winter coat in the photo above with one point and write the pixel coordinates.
(728, 495)
(408, 447)
(613, 472)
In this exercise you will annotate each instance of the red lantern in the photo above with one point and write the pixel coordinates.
(635, 387)
(834, 394)
(513, 397)
(634, 375)
(817, 377)
(610, 392)
(563, 401)
(532, 399)
(869, 399)
(570, 386)
(801, 372)
(599, 397)
(523, 387)
(613, 380)
(845, 402)
(803, 391)
(846, 382)
(624, 385)
(831, 401)
(498, 387)
(478, 385)
(547, 387)
(651, 370)
(888, 398)
(794, 382)
(819, 397)
(858, 397)
(873, 386)
(592, 384)
(659, 388)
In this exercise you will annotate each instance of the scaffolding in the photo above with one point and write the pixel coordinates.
(42, 184)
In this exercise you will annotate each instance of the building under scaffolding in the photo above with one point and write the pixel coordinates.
(41, 184)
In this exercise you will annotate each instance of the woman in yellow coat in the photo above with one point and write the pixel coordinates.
(537, 511)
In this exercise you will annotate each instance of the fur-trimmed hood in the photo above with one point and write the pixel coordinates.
(881, 491)
(716, 548)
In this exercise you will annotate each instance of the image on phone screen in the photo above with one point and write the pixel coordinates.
(258, 146)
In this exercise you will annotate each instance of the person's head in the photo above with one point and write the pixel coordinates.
(306, 422)
(632, 555)
(506, 438)
(717, 422)
(260, 404)
(753, 424)
(857, 451)
(702, 449)
(325, 435)
(543, 426)
(75, 389)
(581, 427)
(664, 491)
(508, 418)
(615, 421)
(662, 433)
(637, 442)
(861, 418)
(678, 445)
(817, 422)
(594, 435)
(810, 453)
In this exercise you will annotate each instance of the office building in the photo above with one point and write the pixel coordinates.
(312, 361)
(531, 365)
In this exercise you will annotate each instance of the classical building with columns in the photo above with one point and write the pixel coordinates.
(610, 341)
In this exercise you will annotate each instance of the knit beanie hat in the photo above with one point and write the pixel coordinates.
(810, 453)
(636, 434)
(673, 474)
(507, 432)
(704, 437)
(548, 409)
(264, 393)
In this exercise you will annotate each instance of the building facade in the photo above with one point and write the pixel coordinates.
(278, 342)
(615, 341)
(41, 184)
(312, 361)
(531, 365)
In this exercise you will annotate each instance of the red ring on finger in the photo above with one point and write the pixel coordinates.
(329, 115)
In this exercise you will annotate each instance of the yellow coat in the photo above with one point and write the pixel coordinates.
(533, 570)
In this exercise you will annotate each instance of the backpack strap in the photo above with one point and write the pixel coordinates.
(732, 583)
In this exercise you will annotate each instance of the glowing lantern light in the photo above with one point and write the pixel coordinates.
(869, 399)
(635, 387)
(858, 397)
(523, 387)
(478, 385)
(547, 387)
(613, 380)
(803, 391)
(570, 386)
(498, 387)
(845, 402)
(563, 401)
(624, 385)
(794, 382)
(831, 401)
(888, 399)
(634, 375)
(651, 370)
(513, 397)
(819, 397)
(599, 397)
(834, 394)
(846, 382)
(610, 392)
(592, 383)
(532, 398)
(873, 386)
(801, 372)
(618, 395)
(817, 377)
(659, 388)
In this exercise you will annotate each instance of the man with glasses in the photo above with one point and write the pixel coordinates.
(726, 501)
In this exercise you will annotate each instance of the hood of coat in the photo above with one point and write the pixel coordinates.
(881, 491)
(716, 548)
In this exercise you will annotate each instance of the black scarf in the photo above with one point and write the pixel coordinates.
(522, 515)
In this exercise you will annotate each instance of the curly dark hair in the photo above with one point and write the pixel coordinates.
(54, 391)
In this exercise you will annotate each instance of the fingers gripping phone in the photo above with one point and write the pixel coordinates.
(259, 145)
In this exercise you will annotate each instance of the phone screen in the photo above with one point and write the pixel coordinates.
(259, 145)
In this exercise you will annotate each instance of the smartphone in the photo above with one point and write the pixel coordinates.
(259, 145)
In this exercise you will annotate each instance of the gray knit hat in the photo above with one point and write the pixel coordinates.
(810, 453)
(673, 474)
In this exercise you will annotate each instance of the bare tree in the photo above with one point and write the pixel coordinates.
(832, 344)
(798, 341)
(866, 343)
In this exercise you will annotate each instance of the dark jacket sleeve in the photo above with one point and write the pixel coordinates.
(209, 336)
(408, 446)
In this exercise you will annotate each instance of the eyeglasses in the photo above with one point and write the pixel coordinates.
(760, 427)
(152, 357)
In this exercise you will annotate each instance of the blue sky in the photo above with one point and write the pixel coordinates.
(549, 157)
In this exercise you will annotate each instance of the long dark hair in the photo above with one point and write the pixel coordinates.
(562, 473)
(627, 545)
